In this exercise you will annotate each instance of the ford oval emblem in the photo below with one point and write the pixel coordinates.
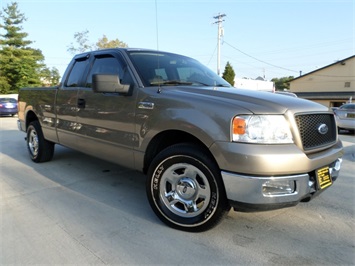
(323, 129)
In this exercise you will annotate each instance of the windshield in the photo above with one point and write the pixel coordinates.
(159, 68)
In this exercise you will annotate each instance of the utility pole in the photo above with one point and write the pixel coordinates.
(220, 34)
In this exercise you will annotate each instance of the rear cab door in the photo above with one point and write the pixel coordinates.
(67, 105)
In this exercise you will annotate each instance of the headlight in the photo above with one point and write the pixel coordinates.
(265, 129)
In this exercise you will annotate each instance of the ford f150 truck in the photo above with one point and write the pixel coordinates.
(205, 146)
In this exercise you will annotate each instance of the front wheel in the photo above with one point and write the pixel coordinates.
(185, 189)
(40, 149)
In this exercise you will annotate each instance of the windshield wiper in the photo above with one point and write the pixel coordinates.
(179, 82)
(222, 85)
(170, 82)
(200, 83)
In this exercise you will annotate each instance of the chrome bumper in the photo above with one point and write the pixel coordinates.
(249, 193)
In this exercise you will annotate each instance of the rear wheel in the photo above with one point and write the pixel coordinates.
(40, 149)
(185, 189)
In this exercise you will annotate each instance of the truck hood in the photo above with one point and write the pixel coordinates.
(257, 102)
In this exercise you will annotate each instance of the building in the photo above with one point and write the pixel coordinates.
(331, 85)
(258, 84)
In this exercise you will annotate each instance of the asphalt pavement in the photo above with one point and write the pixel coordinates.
(80, 210)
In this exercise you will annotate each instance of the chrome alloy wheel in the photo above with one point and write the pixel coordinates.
(185, 190)
(33, 143)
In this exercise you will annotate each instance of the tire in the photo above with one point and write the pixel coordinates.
(40, 149)
(185, 189)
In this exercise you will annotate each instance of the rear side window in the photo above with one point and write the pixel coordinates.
(76, 73)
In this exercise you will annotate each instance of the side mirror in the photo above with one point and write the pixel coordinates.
(108, 83)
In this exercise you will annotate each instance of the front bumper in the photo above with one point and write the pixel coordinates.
(252, 193)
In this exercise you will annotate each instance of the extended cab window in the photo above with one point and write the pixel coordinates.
(108, 64)
(77, 73)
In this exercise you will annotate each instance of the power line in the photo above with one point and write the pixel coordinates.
(209, 61)
(235, 48)
(312, 72)
(308, 46)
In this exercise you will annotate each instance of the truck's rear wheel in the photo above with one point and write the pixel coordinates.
(40, 149)
(185, 189)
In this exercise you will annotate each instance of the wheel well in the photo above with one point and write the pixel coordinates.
(166, 139)
(30, 117)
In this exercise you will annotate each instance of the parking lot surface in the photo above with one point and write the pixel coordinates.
(81, 210)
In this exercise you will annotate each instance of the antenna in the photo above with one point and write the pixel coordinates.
(220, 34)
(156, 23)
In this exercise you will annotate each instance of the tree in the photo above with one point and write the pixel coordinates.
(83, 45)
(20, 65)
(104, 43)
(50, 77)
(282, 84)
(82, 40)
(229, 74)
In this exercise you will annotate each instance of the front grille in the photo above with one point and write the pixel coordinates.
(308, 126)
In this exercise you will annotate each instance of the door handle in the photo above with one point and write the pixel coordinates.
(81, 103)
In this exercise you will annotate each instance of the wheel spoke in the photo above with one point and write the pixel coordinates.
(203, 193)
(190, 172)
(176, 202)
(191, 207)
(171, 198)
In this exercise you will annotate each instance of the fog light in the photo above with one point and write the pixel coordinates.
(338, 164)
(279, 187)
(335, 168)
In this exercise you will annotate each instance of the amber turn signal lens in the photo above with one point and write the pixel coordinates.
(238, 126)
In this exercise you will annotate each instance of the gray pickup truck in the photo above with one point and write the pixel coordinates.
(205, 146)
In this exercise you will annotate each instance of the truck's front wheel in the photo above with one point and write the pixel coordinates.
(185, 190)
(40, 149)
